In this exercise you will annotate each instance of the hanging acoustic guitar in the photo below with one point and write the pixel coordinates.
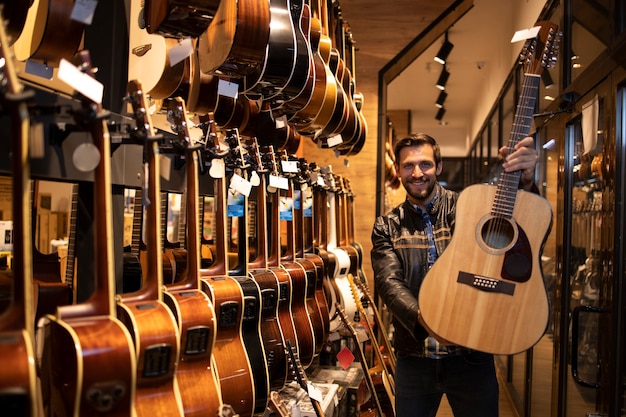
(486, 291)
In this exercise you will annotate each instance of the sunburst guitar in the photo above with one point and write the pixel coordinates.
(486, 291)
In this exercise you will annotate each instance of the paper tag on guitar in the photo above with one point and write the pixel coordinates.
(81, 82)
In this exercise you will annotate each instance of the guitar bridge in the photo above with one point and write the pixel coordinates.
(486, 284)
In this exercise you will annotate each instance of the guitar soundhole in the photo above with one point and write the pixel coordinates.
(104, 396)
(268, 297)
(156, 360)
(229, 311)
(497, 233)
(250, 309)
(197, 340)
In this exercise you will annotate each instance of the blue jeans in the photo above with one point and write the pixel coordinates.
(469, 382)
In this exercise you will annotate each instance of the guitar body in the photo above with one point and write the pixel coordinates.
(251, 333)
(272, 336)
(233, 366)
(157, 345)
(87, 367)
(490, 297)
(320, 296)
(301, 320)
(272, 75)
(197, 382)
(235, 44)
(342, 288)
(49, 33)
(312, 306)
(179, 18)
(285, 315)
(18, 380)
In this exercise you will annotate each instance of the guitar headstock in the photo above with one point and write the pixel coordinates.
(177, 116)
(139, 103)
(540, 52)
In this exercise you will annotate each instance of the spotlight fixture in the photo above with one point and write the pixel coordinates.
(440, 113)
(443, 79)
(547, 79)
(442, 97)
(444, 51)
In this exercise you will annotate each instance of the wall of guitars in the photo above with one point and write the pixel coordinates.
(201, 263)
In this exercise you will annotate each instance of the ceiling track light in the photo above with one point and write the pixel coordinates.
(444, 51)
(442, 97)
(443, 79)
(440, 113)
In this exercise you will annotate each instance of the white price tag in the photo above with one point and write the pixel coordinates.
(334, 141)
(81, 82)
(240, 184)
(314, 392)
(181, 51)
(522, 35)
(289, 166)
(281, 122)
(227, 89)
(279, 182)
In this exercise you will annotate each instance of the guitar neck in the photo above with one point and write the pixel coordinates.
(507, 187)
(71, 238)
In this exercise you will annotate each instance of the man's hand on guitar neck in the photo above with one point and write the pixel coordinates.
(523, 158)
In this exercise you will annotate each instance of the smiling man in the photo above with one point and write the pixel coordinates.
(406, 243)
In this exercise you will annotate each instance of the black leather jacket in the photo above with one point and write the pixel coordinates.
(400, 261)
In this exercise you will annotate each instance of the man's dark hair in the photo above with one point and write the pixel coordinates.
(417, 140)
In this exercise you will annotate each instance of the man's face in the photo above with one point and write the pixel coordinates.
(418, 172)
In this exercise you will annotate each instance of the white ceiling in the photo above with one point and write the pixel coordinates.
(478, 64)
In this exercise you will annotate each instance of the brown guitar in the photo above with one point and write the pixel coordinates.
(294, 251)
(295, 273)
(192, 309)
(177, 18)
(231, 359)
(486, 291)
(18, 375)
(235, 44)
(49, 33)
(150, 322)
(272, 307)
(88, 364)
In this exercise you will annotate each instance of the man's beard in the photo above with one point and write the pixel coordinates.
(423, 195)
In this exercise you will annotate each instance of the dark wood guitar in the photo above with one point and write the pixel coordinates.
(49, 33)
(231, 359)
(295, 273)
(272, 307)
(304, 113)
(294, 250)
(88, 362)
(271, 76)
(251, 322)
(178, 18)
(305, 212)
(151, 323)
(235, 45)
(18, 383)
(192, 309)
(486, 290)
